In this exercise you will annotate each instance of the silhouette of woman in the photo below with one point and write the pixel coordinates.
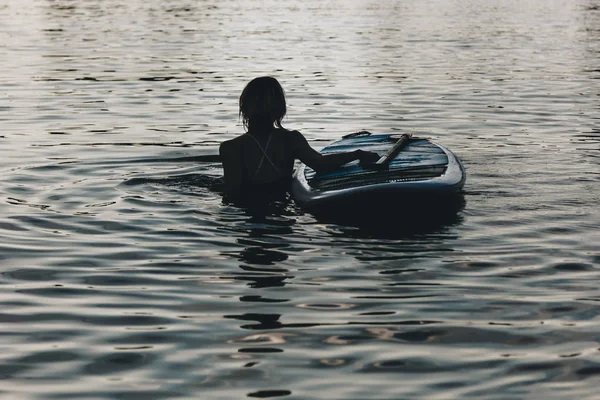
(262, 159)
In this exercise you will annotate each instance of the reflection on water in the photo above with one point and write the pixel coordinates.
(394, 218)
(124, 273)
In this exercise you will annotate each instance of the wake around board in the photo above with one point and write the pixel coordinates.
(410, 169)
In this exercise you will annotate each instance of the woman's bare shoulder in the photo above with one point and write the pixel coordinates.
(293, 135)
(298, 139)
(232, 145)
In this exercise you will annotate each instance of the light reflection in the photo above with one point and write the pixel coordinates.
(382, 333)
(332, 362)
(337, 340)
(263, 338)
(330, 306)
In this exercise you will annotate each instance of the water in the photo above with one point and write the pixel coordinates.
(124, 275)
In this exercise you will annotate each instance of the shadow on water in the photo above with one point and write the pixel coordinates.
(384, 219)
(184, 181)
(259, 268)
(389, 218)
(262, 230)
(395, 218)
(392, 217)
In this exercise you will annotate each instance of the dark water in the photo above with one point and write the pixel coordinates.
(124, 275)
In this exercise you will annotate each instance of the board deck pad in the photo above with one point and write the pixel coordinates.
(420, 159)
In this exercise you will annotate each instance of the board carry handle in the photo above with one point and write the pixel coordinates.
(387, 158)
(357, 134)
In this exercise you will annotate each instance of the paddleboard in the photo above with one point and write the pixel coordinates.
(408, 168)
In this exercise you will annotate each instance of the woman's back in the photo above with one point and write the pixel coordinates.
(263, 158)
(267, 157)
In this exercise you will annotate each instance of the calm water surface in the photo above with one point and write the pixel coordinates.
(124, 275)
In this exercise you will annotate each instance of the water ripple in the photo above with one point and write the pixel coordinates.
(124, 274)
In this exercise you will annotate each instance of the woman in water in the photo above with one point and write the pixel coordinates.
(263, 158)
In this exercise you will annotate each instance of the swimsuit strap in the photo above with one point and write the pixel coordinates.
(264, 154)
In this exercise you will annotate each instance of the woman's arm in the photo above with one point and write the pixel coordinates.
(232, 168)
(327, 162)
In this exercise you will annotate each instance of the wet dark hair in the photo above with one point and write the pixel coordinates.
(262, 103)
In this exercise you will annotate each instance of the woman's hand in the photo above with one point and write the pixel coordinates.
(366, 157)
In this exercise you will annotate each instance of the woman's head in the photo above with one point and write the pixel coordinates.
(262, 103)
